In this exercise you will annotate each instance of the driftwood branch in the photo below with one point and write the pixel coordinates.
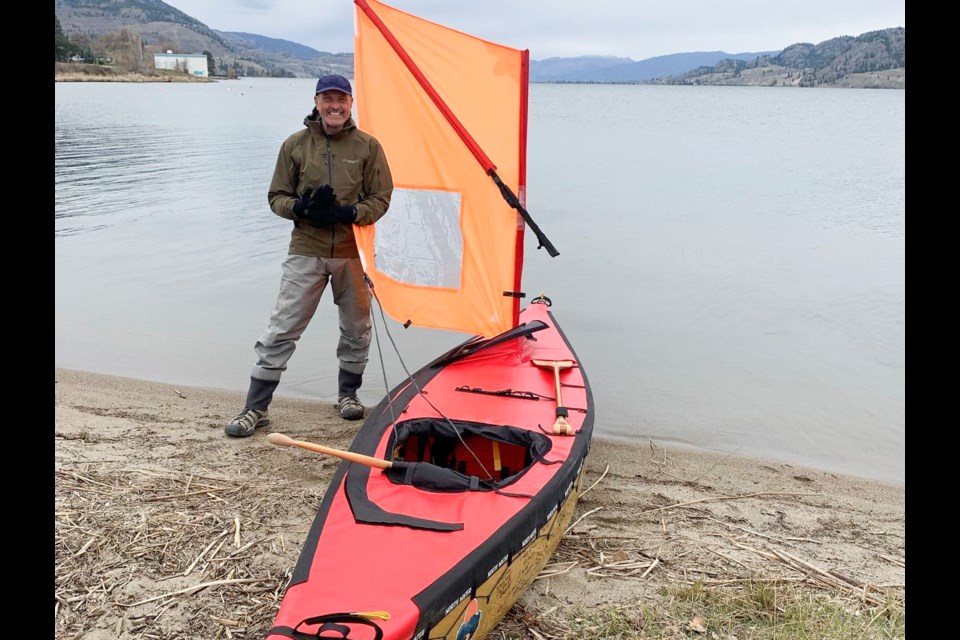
(193, 589)
(602, 476)
(570, 528)
(829, 579)
(741, 497)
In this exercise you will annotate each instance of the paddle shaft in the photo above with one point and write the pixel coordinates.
(286, 441)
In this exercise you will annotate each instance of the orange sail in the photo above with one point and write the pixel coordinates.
(450, 110)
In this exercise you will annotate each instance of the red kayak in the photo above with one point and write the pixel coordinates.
(478, 491)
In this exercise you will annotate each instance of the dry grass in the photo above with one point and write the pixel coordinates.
(226, 573)
(115, 530)
(723, 599)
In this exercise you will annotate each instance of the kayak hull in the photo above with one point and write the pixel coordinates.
(479, 492)
(500, 592)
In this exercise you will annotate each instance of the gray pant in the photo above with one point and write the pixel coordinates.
(304, 280)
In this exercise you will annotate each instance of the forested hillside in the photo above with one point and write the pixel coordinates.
(876, 58)
(129, 32)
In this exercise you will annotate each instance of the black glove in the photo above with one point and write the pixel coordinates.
(310, 200)
(302, 203)
(344, 215)
(325, 216)
(323, 198)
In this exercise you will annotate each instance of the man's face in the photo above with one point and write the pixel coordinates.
(334, 108)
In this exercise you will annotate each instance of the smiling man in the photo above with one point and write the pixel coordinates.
(329, 176)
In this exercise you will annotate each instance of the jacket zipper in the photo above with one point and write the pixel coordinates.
(333, 230)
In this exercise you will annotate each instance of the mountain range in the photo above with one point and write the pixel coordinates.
(131, 30)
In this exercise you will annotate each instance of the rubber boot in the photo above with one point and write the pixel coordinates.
(348, 404)
(254, 414)
(348, 383)
(260, 393)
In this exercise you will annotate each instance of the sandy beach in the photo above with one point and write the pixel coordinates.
(166, 528)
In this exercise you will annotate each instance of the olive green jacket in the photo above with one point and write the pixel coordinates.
(352, 162)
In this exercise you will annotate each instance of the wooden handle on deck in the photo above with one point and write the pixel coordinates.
(561, 426)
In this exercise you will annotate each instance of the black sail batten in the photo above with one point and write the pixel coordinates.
(514, 202)
(469, 348)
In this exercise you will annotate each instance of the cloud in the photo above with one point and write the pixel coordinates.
(637, 29)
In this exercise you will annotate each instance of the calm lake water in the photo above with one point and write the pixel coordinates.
(731, 269)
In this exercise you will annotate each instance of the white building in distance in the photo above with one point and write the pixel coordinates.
(193, 63)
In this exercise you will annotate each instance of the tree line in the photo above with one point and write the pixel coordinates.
(66, 50)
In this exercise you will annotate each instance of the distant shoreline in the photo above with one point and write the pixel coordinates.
(890, 79)
(79, 72)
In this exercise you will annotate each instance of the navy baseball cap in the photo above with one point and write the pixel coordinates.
(333, 83)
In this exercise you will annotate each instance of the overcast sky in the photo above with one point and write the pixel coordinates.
(636, 29)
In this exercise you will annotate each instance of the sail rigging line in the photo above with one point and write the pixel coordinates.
(383, 367)
(485, 162)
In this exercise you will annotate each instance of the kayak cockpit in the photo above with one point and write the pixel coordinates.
(436, 454)
(447, 456)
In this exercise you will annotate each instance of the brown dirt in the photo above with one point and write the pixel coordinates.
(167, 529)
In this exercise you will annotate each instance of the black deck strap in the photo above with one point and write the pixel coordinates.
(333, 626)
(327, 623)
(508, 494)
(507, 393)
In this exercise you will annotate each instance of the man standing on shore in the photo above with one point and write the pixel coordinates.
(329, 176)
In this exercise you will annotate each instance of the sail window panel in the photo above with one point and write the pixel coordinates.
(420, 242)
